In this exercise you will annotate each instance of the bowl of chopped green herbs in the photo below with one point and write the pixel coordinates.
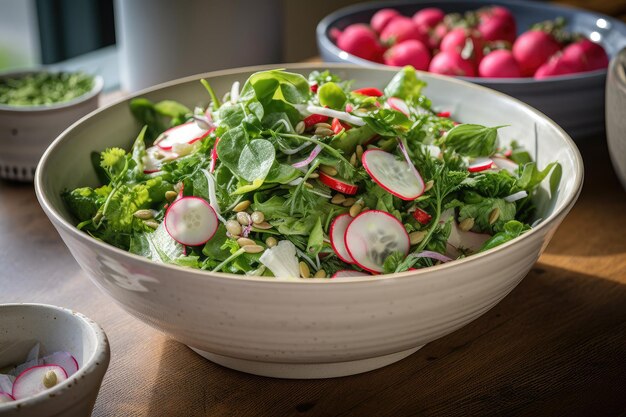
(311, 221)
(35, 107)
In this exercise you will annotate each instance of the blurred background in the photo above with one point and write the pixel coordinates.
(81, 34)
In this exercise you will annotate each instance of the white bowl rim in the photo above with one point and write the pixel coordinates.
(90, 365)
(458, 263)
(325, 24)
(98, 85)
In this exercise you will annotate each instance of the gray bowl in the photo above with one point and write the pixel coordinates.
(616, 110)
(575, 102)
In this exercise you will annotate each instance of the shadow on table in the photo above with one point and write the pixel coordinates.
(554, 346)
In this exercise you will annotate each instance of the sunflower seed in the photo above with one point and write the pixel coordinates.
(494, 215)
(429, 185)
(359, 152)
(416, 237)
(233, 227)
(300, 128)
(243, 218)
(324, 132)
(320, 274)
(253, 249)
(324, 125)
(348, 202)
(308, 185)
(466, 224)
(257, 217)
(244, 241)
(314, 175)
(304, 270)
(171, 195)
(242, 206)
(353, 160)
(263, 226)
(327, 169)
(144, 214)
(271, 242)
(338, 199)
(151, 223)
(355, 210)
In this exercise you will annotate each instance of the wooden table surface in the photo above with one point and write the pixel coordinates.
(555, 346)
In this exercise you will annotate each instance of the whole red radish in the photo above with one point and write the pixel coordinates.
(401, 29)
(459, 39)
(451, 63)
(409, 52)
(497, 24)
(437, 34)
(586, 55)
(555, 66)
(381, 18)
(499, 64)
(426, 19)
(532, 49)
(359, 40)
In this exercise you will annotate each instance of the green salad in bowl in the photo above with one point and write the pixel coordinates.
(291, 177)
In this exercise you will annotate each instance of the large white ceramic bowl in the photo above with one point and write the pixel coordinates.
(56, 329)
(310, 328)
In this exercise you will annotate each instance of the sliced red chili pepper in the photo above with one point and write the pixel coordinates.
(314, 119)
(369, 91)
(314, 87)
(338, 126)
(421, 216)
(443, 114)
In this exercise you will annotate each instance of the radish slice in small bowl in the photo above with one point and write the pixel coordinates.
(349, 273)
(191, 221)
(372, 236)
(393, 175)
(505, 163)
(37, 379)
(480, 164)
(337, 236)
(337, 184)
(399, 105)
(5, 397)
(185, 133)
(64, 360)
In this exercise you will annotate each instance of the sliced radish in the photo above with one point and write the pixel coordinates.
(31, 381)
(421, 216)
(64, 360)
(505, 163)
(185, 133)
(337, 184)
(349, 273)
(5, 397)
(338, 126)
(372, 236)
(460, 240)
(191, 221)
(314, 119)
(337, 237)
(6, 383)
(480, 164)
(155, 157)
(369, 91)
(393, 175)
(399, 105)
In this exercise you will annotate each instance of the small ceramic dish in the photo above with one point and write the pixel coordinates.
(56, 329)
(615, 112)
(26, 131)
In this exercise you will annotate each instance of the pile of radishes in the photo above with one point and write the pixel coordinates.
(36, 374)
(481, 43)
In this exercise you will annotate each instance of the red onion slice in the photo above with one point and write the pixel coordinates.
(408, 160)
(308, 159)
(433, 255)
(341, 115)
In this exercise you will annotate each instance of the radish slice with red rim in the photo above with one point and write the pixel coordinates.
(5, 397)
(393, 175)
(191, 221)
(6, 383)
(337, 237)
(64, 360)
(31, 381)
(504, 163)
(155, 157)
(337, 184)
(349, 273)
(399, 105)
(480, 164)
(374, 235)
(185, 133)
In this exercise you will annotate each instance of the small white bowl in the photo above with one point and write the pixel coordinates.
(26, 131)
(57, 329)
